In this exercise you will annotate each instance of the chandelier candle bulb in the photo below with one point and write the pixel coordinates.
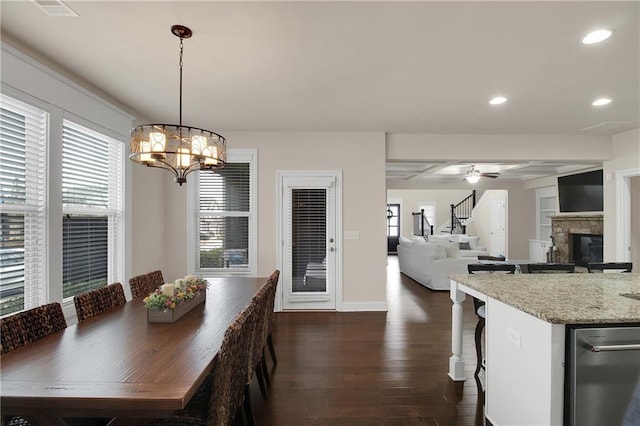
(168, 289)
(158, 141)
(145, 150)
(184, 157)
(197, 145)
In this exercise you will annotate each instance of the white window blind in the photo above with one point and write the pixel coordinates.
(308, 237)
(23, 238)
(224, 218)
(92, 205)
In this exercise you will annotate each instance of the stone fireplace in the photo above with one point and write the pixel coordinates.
(563, 229)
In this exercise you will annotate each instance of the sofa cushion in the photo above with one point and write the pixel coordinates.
(405, 242)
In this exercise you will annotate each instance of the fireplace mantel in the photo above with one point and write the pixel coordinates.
(564, 226)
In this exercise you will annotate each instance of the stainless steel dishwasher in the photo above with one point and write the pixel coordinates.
(603, 371)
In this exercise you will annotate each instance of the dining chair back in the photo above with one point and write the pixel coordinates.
(272, 282)
(99, 301)
(551, 268)
(142, 285)
(26, 327)
(220, 397)
(611, 266)
(479, 306)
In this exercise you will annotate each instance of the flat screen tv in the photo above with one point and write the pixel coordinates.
(581, 192)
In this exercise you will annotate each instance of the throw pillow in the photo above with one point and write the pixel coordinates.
(464, 246)
(451, 248)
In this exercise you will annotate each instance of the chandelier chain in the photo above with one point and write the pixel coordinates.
(181, 54)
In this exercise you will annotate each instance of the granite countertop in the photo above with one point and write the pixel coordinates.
(564, 298)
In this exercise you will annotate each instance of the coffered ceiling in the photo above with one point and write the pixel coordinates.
(456, 171)
(395, 67)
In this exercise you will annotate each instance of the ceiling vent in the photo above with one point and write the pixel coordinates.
(606, 126)
(55, 8)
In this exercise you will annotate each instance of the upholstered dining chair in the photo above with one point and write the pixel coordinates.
(99, 301)
(23, 328)
(220, 397)
(142, 285)
(479, 305)
(263, 301)
(26, 327)
(551, 268)
(611, 266)
(272, 282)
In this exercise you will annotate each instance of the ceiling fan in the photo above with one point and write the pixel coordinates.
(474, 175)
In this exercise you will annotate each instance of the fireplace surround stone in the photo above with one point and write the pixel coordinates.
(564, 226)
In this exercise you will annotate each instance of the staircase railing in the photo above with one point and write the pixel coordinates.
(461, 212)
(420, 222)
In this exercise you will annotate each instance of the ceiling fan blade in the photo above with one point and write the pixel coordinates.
(490, 175)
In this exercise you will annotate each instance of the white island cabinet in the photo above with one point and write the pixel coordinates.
(526, 319)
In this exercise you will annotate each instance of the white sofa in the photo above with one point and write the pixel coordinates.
(431, 263)
(474, 249)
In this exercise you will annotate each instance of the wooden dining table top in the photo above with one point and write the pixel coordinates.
(118, 364)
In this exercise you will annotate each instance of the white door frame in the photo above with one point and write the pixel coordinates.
(623, 214)
(280, 215)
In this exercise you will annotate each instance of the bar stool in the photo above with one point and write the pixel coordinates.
(479, 305)
(611, 266)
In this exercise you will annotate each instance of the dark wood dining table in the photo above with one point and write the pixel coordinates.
(118, 365)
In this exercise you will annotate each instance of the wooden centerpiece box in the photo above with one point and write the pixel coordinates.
(172, 315)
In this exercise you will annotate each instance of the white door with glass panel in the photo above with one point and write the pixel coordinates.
(309, 240)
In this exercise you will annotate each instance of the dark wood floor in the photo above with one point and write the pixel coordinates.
(372, 368)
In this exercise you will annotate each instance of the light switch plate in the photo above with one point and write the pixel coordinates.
(351, 235)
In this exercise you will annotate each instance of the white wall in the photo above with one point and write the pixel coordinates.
(626, 156)
(360, 156)
(635, 222)
(497, 147)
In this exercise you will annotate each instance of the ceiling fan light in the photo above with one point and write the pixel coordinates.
(473, 178)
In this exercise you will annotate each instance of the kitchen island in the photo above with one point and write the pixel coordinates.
(526, 321)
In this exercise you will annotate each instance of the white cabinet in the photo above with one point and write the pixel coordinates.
(545, 208)
(538, 250)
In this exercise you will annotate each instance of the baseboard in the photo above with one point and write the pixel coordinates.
(364, 306)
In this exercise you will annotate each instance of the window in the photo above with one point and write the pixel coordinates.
(23, 137)
(92, 207)
(226, 218)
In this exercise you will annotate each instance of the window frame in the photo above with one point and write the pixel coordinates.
(28, 80)
(114, 212)
(34, 292)
(193, 216)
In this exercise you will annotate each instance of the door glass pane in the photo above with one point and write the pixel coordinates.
(309, 240)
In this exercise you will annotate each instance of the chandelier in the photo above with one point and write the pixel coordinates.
(180, 149)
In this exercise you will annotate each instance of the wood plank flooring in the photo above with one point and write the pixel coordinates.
(372, 368)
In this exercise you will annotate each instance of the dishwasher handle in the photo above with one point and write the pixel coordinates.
(610, 348)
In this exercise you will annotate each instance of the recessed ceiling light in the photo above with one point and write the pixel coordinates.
(597, 36)
(601, 101)
(498, 100)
